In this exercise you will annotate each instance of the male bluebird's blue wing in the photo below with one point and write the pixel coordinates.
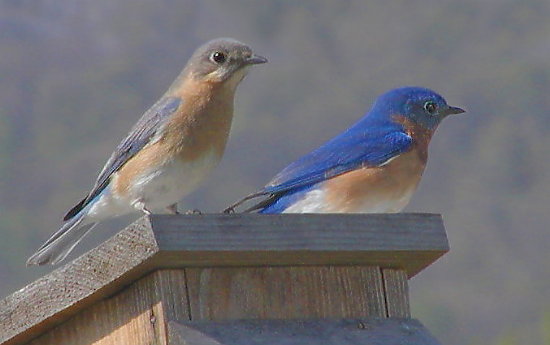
(145, 130)
(349, 151)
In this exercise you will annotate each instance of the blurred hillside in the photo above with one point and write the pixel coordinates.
(74, 77)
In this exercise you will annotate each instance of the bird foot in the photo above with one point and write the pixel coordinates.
(193, 211)
(140, 205)
(229, 210)
(172, 209)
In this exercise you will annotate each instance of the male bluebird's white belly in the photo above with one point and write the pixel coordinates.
(315, 201)
(312, 202)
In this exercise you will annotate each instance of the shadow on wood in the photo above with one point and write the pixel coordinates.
(303, 332)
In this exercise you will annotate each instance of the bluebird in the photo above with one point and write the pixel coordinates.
(373, 167)
(169, 150)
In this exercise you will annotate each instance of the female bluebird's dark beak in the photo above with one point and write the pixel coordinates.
(454, 110)
(255, 60)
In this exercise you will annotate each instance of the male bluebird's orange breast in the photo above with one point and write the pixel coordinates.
(387, 188)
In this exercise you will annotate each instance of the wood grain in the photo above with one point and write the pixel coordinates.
(140, 313)
(285, 292)
(52, 299)
(396, 289)
(136, 315)
(369, 331)
(409, 241)
(171, 289)
(406, 241)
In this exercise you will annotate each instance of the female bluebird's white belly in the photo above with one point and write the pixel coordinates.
(167, 184)
(154, 189)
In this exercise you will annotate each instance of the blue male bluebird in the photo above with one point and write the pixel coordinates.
(374, 166)
(168, 151)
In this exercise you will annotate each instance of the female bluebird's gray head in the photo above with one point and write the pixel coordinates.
(420, 105)
(221, 60)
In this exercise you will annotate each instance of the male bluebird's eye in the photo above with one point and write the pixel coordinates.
(430, 107)
(218, 57)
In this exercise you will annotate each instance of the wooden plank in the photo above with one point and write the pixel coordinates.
(285, 292)
(130, 317)
(303, 332)
(171, 289)
(293, 231)
(408, 241)
(206, 240)
(52, 299)
(136, 315)
(396, 290)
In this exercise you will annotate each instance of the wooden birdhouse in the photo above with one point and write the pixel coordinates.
(240, 279)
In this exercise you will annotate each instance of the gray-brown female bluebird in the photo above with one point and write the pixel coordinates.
(168, 152)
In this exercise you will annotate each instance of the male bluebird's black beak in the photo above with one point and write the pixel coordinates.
(255, 60)
(454, 110)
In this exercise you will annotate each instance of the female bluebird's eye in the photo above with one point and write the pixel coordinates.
(218, 57)
(430, 107)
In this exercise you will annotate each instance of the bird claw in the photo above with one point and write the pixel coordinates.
(140, 205)
(172, 209)
(193, 211)
(229, 210)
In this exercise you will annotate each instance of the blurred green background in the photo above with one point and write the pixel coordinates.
(74, 77)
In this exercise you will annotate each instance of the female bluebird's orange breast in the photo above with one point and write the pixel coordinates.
(387, 188)
(198, 130)
(202, 123)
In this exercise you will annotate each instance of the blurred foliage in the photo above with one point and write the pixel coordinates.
(74, 77)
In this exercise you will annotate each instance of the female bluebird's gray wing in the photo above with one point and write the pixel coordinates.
(144, 132)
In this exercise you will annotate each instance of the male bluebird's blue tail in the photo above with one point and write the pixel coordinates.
(62, 242)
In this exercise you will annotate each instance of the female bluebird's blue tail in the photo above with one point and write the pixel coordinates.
(62, 242)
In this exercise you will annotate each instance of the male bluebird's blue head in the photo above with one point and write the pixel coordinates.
(417, 104)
